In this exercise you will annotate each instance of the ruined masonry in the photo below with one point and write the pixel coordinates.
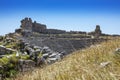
(52, 44)
(28, 26)
(46, 46)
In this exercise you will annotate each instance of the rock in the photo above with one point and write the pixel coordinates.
(37, 47)
(46, 49)
(45, 55)
(2, 56)
(1, 67)
(98, 31)
(11, 49)
(9, 40)
(4, 50)
(37, 27)
(117, 51)
(25, 65)
(26, 24)
(9, 56)
(17, 54)
(53, 55)
(40, 61)
(30, 51)
(103, 64)
(51, 60)
(61, 55)
(25, 53)
(27, 44)
(58, 57)
(37, 51)
(18, 31)
(43, 60)
(117, 54)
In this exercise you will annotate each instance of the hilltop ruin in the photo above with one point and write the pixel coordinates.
(58, 40)
(33, 44)
(28, 26)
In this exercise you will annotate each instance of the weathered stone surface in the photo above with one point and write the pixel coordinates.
(46, 50)
(45, 55)
(117, 50)
(4, 50)
(26, 24)
(2, 56)
(97, 32)
(37, 47)
(54, 31)
(9, 40)
(29, 50)
(117, 54)
(37, 27)
(54, 57)
(18, 31)
(51, 60)
(40, 61)
(103, 64)
(25, 65)
(1, 67)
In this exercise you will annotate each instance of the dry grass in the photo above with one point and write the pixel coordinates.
(81, 65)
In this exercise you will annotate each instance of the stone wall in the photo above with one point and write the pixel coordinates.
(77, 32)
(28, 26)
(37, 27)
(97, 32)
(54, 31)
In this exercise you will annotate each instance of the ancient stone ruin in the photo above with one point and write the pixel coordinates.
(54, 43)
(40, 45)
(97, 32)
(28, 26)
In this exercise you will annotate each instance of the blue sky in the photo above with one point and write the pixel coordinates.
(79, 15)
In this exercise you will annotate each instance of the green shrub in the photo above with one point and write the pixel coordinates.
(4, 61)
(25, 57)
(40, 55)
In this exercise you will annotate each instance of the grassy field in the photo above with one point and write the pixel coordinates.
(81, 65)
